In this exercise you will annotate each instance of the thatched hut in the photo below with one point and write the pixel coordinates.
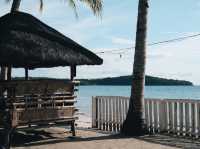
(26, 42)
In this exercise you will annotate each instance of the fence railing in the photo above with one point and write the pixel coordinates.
(180, 117)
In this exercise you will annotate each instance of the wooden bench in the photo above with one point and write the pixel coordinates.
(38, 102)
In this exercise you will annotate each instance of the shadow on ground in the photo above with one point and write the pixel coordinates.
(42, 137)
(172, 140)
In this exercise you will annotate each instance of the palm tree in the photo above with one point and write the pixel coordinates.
(135, 124)
(96, 7)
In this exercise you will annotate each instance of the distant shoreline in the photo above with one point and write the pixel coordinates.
(123, 81)
(127, 80)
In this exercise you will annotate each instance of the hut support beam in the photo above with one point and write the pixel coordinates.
(3, 72)
(26, 74)
(8, 129)
(73, 128)
(6, 75)
(9, 73)
(8, 132)
(73, 72)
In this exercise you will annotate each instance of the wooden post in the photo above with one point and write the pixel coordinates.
(9, 73)
(94, 112)
(196, 121)
(73, 128)
(190, 118)
(168, 116)
(184, 120)
(178, 118)
(3, 72)
(26, 74)
(73, 72)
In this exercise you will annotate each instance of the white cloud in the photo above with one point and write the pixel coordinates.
(176, 60)
(122, 41)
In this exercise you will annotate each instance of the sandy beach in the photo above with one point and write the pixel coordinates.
(84, 120)
(89, 138)
(86, 138)
(59, 138)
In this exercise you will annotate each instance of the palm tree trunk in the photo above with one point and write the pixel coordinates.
(15, 5)
(135, 124)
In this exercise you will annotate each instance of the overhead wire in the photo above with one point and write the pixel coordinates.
(122, 50)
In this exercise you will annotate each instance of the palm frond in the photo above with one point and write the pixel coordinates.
(95, 5)
(73, 5)
(7, 1)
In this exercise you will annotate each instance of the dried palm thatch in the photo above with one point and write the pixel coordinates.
(27, 42)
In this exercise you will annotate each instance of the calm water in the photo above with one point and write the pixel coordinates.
(85, 93)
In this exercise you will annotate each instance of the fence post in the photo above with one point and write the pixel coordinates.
(94, 112)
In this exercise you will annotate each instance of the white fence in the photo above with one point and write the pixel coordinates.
(180, 117)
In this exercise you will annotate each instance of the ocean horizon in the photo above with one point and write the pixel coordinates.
(85, 93)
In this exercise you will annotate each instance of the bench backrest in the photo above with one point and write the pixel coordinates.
(18, 88)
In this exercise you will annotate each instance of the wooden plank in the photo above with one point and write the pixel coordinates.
(35, 115)
(103, 113)
(163, 116)
(184, 120)
(196, 119)
(168, 117)
(38, 86)
(106, 114)
(178, 118)
(113, 114)
(99, 113)
(117, 115)
(148, 116)
(94, 112)
(152, 116)
(158, 116)
(190, 119)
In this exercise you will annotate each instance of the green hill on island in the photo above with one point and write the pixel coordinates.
(126, 80)
(122, 80)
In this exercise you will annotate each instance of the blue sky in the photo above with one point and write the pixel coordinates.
(116, 29)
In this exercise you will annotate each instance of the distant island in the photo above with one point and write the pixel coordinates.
(126, 80)
(123, 80)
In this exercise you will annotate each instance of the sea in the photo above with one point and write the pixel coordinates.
(85, 93)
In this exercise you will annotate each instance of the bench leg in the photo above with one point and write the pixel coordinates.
(7, 138)
(73, 128)
(8, 129)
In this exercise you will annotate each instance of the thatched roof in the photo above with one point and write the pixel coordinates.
(25, 41)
